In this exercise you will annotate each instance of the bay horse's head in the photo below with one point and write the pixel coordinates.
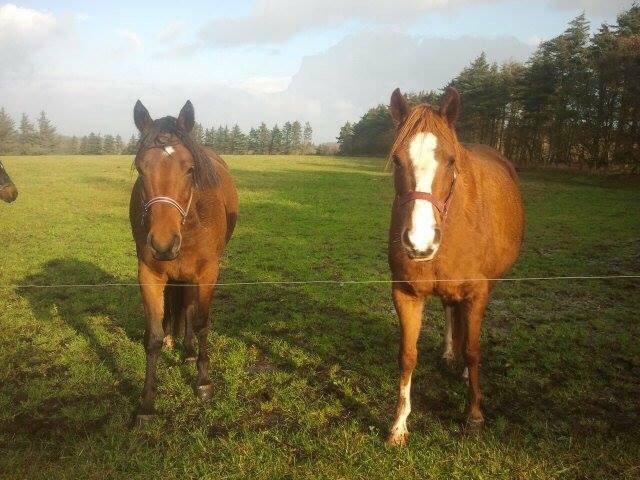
(424, 154)
(172, 167)
(8, 191)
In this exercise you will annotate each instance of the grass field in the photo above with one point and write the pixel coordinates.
(306, 375)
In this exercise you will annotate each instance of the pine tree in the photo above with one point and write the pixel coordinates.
(345, 139)
(47, 140)
(132, 146)
(264, 139)
(27, 137)
(307, 139)
(8, 134)
(237, 140)
(198, 133)
(296, 138)
(276, 142)
(253, 141)
(286, 138)
(109, 145)
(118, 145)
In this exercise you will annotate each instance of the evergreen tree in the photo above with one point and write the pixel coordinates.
(132, 146)
(237, 141)
(109, 145)
(307, 139)
(253, 141)
(27, 137)
(286, 138)
(47, 139)
(8, 134)
(276, 145)
(345, 139)
(118, 145)
(296, 138)
(264, 139)
(198, 133)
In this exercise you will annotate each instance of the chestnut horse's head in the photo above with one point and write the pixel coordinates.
(424, 156)
(172, 167)
(8, 191)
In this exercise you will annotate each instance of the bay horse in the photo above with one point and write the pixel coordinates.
(457, 225)
(8, 191)
(183, 211)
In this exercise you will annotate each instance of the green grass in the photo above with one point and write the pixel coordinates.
(306, 376)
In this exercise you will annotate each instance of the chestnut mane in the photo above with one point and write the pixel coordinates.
(423, 118)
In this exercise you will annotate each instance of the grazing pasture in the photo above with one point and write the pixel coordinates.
(305, 375)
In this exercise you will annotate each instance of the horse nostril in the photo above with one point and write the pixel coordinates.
(175, 246)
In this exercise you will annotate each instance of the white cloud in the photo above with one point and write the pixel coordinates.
(130, 43)
(593, 6)
(265, 85)
(25, 32)
(172, 32)
(273, 21)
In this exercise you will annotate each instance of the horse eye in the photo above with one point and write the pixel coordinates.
(190, 171)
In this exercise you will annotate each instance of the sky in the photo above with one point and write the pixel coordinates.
(244, 62)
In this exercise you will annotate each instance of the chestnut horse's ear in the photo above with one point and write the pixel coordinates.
(141, 117)
(398, 106)
(450, 105)
(186, 119)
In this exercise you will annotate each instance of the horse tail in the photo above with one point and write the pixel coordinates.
(173, 320)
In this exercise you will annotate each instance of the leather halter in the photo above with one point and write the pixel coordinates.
(168, 200)
(441, 205)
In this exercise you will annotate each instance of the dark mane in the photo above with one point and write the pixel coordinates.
(166, 132)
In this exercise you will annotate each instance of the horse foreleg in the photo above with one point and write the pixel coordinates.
(152, 290)
(474, 310)
(409, 309)
(189, 311)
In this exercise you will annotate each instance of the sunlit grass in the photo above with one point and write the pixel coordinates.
(306, 375)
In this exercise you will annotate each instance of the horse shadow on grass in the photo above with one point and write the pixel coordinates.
(97, 368)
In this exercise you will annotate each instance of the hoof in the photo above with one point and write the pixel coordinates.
(398, 439)
(190, 359)
(168, 342)
(473, 426)
(143, 419)
(205, 392)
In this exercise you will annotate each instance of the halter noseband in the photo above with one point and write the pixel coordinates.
(170, 201)
(441, 205)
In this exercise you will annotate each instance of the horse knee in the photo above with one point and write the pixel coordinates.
(472, 356)
(154, 342)
(408, 360)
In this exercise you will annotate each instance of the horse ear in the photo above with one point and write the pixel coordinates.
(141, 117)
(398, 106)
(450, 105)
(186, 119)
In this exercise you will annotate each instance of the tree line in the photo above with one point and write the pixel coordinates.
(41, 138)
(574, 102)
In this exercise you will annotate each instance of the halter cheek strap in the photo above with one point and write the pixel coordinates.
(441, 205)
(169, 201)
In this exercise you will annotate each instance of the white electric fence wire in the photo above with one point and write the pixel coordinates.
(328, 282)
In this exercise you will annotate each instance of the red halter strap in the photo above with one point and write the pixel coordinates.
(441, 205)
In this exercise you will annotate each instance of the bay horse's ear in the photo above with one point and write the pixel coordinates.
(141, 117)
(450, 105)
(398, 106)
(186, 119)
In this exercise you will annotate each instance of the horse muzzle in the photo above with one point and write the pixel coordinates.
(8, 193)
(420, 252)
(164, 251)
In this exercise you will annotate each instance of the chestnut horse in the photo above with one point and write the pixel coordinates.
(8, 191)
(457, 225)
(183, 212)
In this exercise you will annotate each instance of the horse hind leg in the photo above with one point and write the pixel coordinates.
(448, 354)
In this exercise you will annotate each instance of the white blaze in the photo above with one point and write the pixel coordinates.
(168, 150)
(423, 221)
